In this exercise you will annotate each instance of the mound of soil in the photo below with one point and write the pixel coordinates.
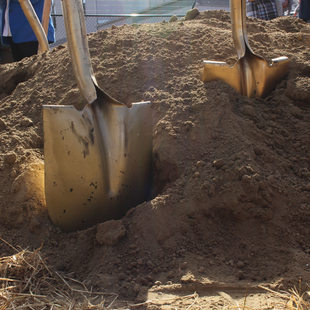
(231, 199)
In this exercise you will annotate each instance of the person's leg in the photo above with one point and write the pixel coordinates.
(5, 55)
(279, 7)
(6, 51)
(267, 9)
(251, 9)
(15, 51)
(304, 10)
(22, 50)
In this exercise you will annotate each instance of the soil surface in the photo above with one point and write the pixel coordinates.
(230, 210)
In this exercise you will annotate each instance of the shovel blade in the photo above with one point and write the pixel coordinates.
(262, 76)
(251, 75)
(218, 70)
(97, 161)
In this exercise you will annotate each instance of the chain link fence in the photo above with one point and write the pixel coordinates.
(103, 21)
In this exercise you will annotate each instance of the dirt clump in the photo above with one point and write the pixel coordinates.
(110, 232)
(231, 203)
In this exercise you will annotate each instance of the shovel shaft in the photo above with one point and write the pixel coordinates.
(237, 13)
(80, 56)
(78, 48)
(35, 24)
(46, 15)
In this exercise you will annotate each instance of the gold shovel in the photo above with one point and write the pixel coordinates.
(98, 155)
(251, 75)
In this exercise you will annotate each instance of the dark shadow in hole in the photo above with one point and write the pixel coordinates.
(164, 173)
(12, 78)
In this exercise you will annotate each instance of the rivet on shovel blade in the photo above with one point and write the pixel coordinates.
(251, 75)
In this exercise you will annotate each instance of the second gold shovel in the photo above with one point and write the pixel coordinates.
(251, 75)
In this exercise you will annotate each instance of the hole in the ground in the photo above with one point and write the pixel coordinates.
(164, 173)
(12, 79)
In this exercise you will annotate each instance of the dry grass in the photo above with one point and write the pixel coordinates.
(296, 298)
(299, 299)
(27, 282)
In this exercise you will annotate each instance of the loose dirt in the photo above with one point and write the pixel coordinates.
(230, 210)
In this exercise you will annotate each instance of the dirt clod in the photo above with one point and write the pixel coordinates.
(10, 158)
(110, 232)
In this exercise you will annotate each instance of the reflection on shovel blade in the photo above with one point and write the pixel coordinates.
(97, 161)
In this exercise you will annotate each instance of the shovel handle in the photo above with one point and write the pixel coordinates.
(80, 56)
(35, 24)
(78, 49)
(46, 15)
(238, 21)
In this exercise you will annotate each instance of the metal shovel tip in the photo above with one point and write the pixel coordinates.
(97, 161)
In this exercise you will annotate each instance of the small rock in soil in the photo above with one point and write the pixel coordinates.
(110, 232)
(10, 158)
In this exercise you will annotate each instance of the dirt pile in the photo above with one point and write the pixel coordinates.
(231, 199)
